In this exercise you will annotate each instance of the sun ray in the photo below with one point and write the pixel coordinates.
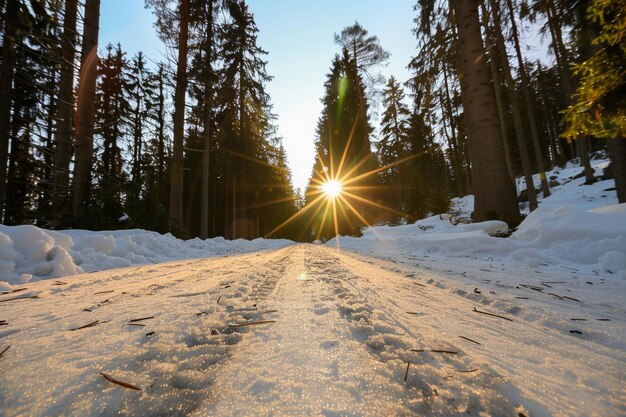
(375, 204)
(350, 136)
(335, 221)
(377, 170)
(321, 228)
(296, 215)
(355, 211)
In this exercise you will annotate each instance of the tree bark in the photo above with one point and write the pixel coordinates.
(208, 121)
(63, 148)
(529, 104)
(161, 140)
(176, 189)
(617, 152)
(494, 195)
(6, 92)
(497, 87)
(566, 77)
(516, 108)
(86, 110)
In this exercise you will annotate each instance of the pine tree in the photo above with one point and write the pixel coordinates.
(494, 195)
(65, 116)
(85, 111)
(393, 143)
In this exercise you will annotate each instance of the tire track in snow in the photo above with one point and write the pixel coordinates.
(434, 386)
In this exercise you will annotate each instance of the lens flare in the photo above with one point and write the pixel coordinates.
(331, 188)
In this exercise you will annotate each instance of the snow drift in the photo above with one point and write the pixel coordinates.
(565, 235)
(30, 253)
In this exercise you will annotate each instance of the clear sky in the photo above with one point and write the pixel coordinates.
(298, 34)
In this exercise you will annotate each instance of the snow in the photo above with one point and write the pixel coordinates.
(28, 253)
(430, 319)
(580, 226)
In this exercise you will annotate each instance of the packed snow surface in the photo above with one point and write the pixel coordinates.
(428, 319)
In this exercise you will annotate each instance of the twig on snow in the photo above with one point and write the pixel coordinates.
(141, 319)
(121, 383)
(471, 340)
(93, 323)
(452, 352)
(406, 373)
(233, 326)
(5, 349)
(491, 314)
(19, 298)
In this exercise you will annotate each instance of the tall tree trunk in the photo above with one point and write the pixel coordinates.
(530, 111)
(177, 167)
(494, 195)
(206, 137)
(454, 144)
(566, 77)
(516, 108)
(497, 88)
(6, 92)
(63, 148)
(86, 110)
(161, 141)
(617, 152)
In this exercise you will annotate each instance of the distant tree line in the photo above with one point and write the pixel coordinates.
(190, 145)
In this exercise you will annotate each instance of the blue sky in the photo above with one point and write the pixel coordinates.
(298, 34)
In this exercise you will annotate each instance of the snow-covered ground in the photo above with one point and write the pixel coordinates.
(28, 253)
(424, 319)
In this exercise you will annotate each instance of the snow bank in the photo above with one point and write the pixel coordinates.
(578, 225)
(565, 235)
(30, 253)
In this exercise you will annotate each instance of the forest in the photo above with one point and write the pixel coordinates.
(92, 138)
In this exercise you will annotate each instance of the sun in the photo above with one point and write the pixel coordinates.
(331, 188)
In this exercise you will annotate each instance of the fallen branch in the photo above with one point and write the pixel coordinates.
(141, 319)
(5, 349)
(421, 285)
(103, 292)
(121, 383)
(406, 373)
(93, 323)
(59, 283)
(150, 333)
(467, 371)
(136, 324)
(492, 315)
(578, 319)
(233, 326)
(19, 298)
(467, 338)
(603, 319)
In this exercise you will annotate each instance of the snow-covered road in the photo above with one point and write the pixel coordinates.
(305, 330)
